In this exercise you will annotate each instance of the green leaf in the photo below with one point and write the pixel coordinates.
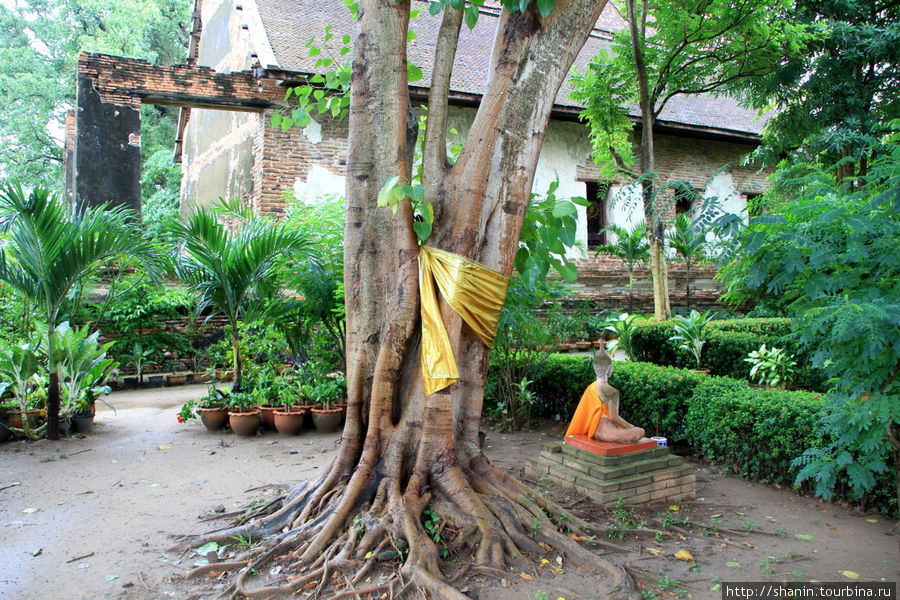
(545, 7)
(471, 16)
(435, 8)
(733, 563)
(456, 4)
(564, 208)
(390, 192)
(803, 536)
(423, 230)
(568, 271)
(413, 73)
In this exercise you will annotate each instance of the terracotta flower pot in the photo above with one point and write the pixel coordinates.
(244, 424)
(214, 418)
(267, 417)
(327, 421)
(289, 422)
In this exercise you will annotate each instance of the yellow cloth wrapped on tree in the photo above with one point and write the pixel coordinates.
(474, 291)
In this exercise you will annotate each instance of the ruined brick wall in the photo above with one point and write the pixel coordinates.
(286, 159)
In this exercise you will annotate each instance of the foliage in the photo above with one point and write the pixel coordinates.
(688, 240)
(831, 252)
(631, 247)
(39, 57)
(518, 346)
(319, 311)
(548, 232)
(830, 101)
(772, 366)
(18, 365)
(235, 273)
(83, 367)
(691, 332)
(623, 328)
(52, 253)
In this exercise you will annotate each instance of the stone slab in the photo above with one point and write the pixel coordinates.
(607, 448)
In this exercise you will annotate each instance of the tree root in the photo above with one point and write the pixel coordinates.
(328, 542)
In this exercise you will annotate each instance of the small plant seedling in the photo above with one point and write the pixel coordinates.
(244, 542)
(749, 526)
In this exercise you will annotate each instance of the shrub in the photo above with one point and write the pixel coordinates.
(755, 432)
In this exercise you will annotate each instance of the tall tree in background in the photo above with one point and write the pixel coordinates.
(833, 100)
(38, 59)
(673, 48)
(405, 453)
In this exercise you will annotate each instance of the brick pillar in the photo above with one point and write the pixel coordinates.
(107, 155)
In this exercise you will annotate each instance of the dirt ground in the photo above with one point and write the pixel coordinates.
(94, 518)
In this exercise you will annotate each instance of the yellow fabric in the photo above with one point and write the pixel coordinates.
(587, 416)
(474, 291)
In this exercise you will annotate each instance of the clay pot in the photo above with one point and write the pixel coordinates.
(5, 433)
(82, 423)
(289, 422)
(176, 380)
(327, 421)
(267, 417)
(214, 419)
(582, 345)
(244, 424)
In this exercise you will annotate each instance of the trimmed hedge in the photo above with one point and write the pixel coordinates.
(728, 344)
(755, 432)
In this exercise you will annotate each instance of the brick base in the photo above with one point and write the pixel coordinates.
(636, 477)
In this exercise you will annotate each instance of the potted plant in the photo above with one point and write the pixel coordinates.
(83, 369)
(18, 366)
(242, 414)
(140, 357)
(327, 418)
(691, 334)
(212, 409)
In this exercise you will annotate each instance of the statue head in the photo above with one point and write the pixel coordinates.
(602, 365)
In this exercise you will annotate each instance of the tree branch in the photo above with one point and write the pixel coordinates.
(434, 159)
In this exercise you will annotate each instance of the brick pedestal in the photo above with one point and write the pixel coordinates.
(647, 475)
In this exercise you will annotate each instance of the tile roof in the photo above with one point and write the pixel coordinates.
(289, 25)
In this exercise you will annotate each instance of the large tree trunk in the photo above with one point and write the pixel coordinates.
(654, 210)
(402, 450)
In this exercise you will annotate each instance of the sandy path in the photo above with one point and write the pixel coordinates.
(117, 496)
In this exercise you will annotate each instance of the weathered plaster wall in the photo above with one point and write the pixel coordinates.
(218, 158)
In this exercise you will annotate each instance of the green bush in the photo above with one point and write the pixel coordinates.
(754, 431)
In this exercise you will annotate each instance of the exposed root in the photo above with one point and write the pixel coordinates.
(332, 542)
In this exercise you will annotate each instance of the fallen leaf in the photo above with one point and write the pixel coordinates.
(715, 587)
(655, 551)
(545, 546)
(164, 447)
(213, 574)
(849, 574)
(673, 507)
(207, 548)
(544, 561)
(37, 552)
(803, 536)
(733, 563)
(111, 577)
(684, 555)
(526, 576)
(716, 516)
(872, 520)
(30, 510)
(740, 513)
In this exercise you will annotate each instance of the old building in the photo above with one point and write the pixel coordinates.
(244, 54)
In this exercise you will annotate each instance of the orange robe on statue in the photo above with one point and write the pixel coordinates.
(587, 416)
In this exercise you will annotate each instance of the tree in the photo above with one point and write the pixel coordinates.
(404, 451)
(39, 55)
(688, 240)
(831, 101)
(671, 49)
(631, 247)
(51, 255)
(235, 273)
(831, 251)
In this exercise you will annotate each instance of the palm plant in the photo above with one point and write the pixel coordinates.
(235, 273)
(689, 242)
(632, 247)
(53, 251)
